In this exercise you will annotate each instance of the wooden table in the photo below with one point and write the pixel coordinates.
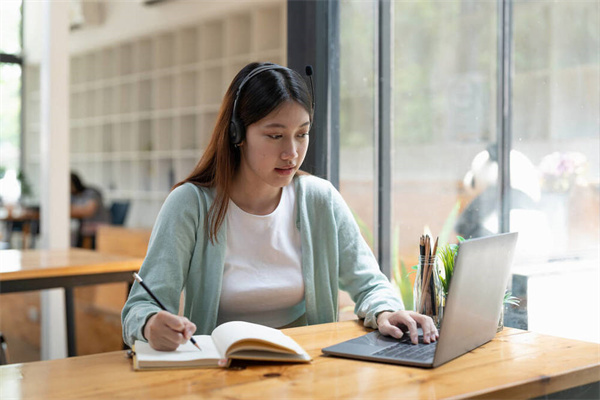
(515, 364)
(46, 269)
(29, 219)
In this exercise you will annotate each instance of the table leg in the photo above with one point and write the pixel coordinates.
(9, 229)
(70, 315)
(129, 286)
(25, 229)
(34, 228)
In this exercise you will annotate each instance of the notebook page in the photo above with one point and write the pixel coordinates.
(185, 352)
(230, 332)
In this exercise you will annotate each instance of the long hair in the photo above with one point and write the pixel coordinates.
(259, 96)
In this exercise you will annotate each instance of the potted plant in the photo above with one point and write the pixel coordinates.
(447, 257)
(509, 299)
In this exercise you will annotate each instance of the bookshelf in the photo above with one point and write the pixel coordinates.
(142, 110)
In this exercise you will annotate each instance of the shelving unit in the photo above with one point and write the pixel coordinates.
(142, 111)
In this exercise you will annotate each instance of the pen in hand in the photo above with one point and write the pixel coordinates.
(141, 282)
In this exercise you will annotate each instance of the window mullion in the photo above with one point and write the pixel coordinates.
(383, 136)
(504, 133)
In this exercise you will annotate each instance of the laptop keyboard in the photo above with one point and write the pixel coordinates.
(404, 349)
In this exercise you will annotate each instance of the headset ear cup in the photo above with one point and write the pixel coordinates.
(232, 133)
(236, 132)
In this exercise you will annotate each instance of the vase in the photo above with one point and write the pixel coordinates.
(501, 320)
(435, 300)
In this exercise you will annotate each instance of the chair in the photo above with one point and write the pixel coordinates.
(118, 212)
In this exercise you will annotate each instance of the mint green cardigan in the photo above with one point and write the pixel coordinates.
(181, 258)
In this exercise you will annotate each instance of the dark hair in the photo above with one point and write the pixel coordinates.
(76, 183)
(259, 96)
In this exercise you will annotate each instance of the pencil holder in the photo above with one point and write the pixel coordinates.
(428, 292)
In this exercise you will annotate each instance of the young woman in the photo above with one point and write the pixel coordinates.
(248, 236)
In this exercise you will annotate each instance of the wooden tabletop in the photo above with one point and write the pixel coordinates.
(17, 214)
(516, 364)
(38, 264)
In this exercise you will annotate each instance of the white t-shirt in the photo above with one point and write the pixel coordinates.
(262, 279)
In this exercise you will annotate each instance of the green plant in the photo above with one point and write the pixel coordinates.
(400, 277)
(447, 255)
(448, 226)
(510, 299)
(25, 186)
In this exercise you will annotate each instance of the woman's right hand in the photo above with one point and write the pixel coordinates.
(165, 331)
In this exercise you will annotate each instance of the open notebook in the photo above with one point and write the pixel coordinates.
(231, 340)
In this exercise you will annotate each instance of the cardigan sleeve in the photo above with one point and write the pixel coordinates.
(167, 261)
(359, 272)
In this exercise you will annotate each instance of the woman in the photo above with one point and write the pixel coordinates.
(248, 236)
(87, 207)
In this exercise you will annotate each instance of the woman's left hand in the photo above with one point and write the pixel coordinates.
(395, 323)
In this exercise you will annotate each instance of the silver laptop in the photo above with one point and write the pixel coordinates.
(471, 316)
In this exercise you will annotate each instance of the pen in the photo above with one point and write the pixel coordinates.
(139, 279)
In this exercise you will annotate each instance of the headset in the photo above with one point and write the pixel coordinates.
(237, 130)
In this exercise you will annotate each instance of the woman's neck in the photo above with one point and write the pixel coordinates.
(255, 199)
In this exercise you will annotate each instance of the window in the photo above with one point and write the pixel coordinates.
(555, 162)
(445, 139)
(358, 113)
(444, 101)
(10, 94)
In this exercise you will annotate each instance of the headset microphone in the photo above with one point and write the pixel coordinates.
(309, 72)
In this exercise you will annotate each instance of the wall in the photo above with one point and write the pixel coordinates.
(128, 19)
(145, 95)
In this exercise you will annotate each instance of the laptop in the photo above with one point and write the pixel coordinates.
(473, 306)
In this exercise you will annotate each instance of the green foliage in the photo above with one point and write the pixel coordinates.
(25, 186)
(510, 299)
(400, 277)
(448, 226)
(447, 256)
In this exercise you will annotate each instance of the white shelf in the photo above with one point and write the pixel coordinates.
(188, 46)
(143, 110)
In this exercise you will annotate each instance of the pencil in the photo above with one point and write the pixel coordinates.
(141, 282)
(435, 305)
(426, 275)
(422, 254)
(435, 247)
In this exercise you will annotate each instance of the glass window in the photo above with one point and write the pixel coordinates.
(10, 97)
(554, 163)
(358, 66)
(445, 142)
(444, 119)
(10, 23)
(10, 115)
